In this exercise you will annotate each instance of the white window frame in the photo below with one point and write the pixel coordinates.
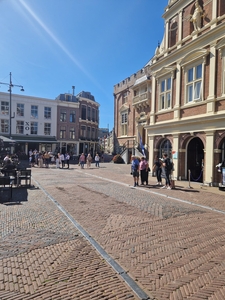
(47, 128)
(72, 133)
(20, 127)
(34, 128)
(34, 111)
(4, 107)
(194, 83)
(20, 109)
(164, 101)
(47, 112)
(4, 126)
(193, 59)
(124, 122)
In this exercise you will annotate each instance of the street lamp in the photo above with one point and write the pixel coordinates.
(11, 85)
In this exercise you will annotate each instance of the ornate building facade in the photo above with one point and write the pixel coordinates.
(185, 115)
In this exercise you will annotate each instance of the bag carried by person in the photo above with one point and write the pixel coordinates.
(169, 165)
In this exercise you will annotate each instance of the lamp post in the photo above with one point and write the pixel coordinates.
(11, 85)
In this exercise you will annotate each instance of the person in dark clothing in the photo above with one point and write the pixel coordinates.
(166, 163)
(157, 167)
(8, 166)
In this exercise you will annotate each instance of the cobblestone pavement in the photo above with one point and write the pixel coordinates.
(171, 242)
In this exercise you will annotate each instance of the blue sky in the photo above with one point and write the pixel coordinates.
(51, 45)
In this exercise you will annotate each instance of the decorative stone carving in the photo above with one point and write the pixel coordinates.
(197, 16)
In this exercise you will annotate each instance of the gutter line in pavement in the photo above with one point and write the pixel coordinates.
(119, 270)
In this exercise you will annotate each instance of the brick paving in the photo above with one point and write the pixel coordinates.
(42, 256)
(172, 249)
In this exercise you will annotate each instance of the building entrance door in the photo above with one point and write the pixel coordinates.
(195, 159)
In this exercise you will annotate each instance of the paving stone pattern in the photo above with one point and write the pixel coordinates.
(42, 256)
(172, 249)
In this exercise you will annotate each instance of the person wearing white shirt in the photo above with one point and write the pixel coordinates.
(62, 159)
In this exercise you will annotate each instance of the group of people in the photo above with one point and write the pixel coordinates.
(88, 160)
(44, 159)
(162, 167)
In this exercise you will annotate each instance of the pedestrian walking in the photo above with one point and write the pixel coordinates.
(97, 158)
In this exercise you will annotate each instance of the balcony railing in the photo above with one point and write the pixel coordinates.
(142, 99)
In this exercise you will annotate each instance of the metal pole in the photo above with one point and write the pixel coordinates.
(10, 106)
(189, 178)
(10, 85)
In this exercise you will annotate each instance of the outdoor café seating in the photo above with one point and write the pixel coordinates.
(5, 189)
(18, 177)
(24, 176)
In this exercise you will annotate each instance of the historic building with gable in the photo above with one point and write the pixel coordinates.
(176, 104)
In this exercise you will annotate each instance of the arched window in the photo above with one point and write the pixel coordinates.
(165, 147)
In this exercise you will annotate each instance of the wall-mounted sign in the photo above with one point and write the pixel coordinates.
(27, 126)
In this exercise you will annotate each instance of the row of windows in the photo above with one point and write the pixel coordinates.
(20, 110)
(193, 87)
(20, 128)
(89, 113)
(62, 133)
(88, 132)
(63, 116)
(194, 78)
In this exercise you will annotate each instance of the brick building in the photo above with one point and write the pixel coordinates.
(77, 123)
(176, 103)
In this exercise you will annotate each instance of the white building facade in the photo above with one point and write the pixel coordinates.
(33, 122)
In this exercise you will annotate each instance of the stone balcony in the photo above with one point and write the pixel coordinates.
(142, 100)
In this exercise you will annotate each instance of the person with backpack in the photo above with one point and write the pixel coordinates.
(135, 169)
(167, 164)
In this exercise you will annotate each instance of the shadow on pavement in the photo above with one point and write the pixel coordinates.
(19, 194)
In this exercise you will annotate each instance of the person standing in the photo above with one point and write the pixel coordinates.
(143, 166)
(135, 170)
(166, 165)
(62, 159)
(89, 160)
(97, 160)
(57, 161)
(32, 160)
(82, 160)
(40, 160)
(67, 158)
(157, 167)
(47, 159)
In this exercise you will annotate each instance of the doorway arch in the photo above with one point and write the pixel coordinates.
(165, 147)
(195, 159)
